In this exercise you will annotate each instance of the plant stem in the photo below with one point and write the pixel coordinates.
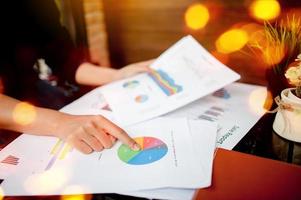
(298, 91)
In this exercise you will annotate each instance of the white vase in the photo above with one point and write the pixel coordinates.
(287, 122)
(291, 95)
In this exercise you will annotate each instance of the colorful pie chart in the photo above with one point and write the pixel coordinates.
(152, 149)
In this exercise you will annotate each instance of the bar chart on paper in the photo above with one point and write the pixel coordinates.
(59, 151)
(152, 149)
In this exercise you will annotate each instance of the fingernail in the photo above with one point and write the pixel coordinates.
(135, 147)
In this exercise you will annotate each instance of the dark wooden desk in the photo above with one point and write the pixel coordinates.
(241, 176)
(262, 141)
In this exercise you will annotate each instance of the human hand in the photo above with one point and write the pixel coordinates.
(89, 133)
(133, 69)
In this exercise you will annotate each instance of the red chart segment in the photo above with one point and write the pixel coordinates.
(150, 142)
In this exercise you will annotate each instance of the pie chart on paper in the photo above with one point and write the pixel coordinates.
(141, 98)
(152, 150)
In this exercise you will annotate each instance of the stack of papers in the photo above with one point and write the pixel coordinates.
(167, 159)
(177, 148)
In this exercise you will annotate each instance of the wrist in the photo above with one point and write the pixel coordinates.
(116, 74)
(60, 119)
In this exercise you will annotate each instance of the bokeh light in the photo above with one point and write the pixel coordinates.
(77, 191)
(47, 181)
(1, 193)
(251, 28)
(73, 197)
(197, 16)
(231, 41)
(265, 9)
(274, 54)
(260, 100)
(257, 38)
(24, 113)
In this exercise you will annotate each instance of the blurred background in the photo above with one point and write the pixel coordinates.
(121, 32)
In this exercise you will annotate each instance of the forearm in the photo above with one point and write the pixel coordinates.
(86, 133)
(89, 74)
(20, 117)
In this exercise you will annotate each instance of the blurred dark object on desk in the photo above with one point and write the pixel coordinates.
(7, 137)
(262, 141)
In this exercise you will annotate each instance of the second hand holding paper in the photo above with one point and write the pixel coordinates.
(182, 74)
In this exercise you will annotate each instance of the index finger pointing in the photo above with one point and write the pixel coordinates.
(117, 132)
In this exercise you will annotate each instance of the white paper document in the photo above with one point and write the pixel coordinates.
(182, 74)
(167, 159)
(236, 108)
(201, 132)
(235, 100)
(230, 104)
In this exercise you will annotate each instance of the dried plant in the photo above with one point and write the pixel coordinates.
(281, 43)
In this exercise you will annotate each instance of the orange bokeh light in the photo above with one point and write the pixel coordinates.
(231, 41)
(73, 197)
(265, 9)
(274, 54)
(78, 192)
(1, 193)
(251, 28)
(24, 113)
(197, 16)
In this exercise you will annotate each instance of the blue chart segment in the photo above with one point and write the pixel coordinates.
(165, 82)
(152, 149)
(131, 84)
